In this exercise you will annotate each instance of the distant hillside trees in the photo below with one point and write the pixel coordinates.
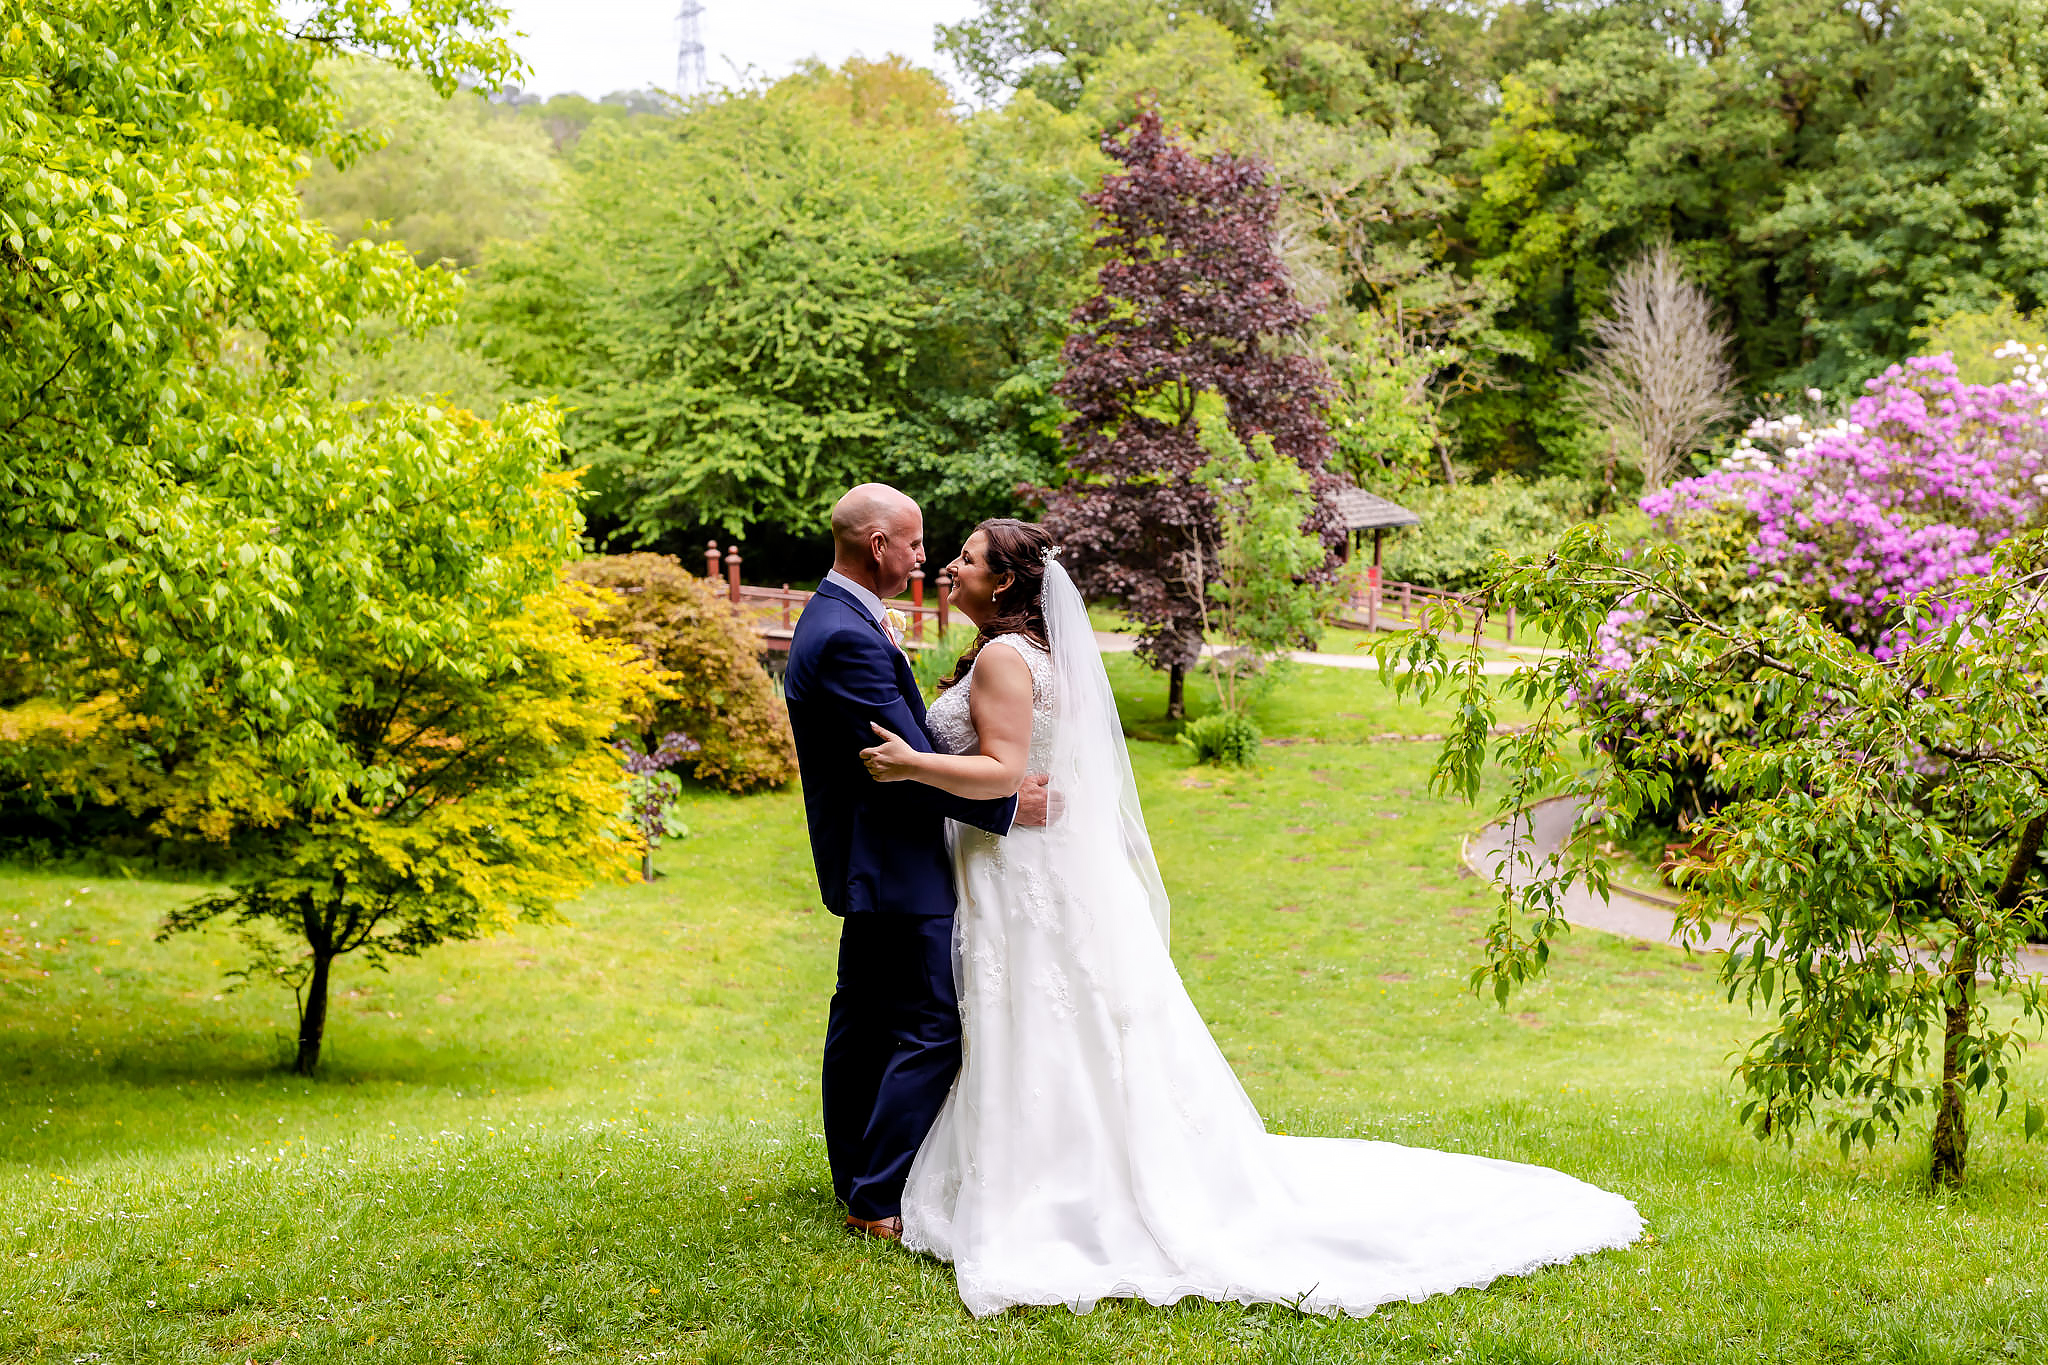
(795, 288)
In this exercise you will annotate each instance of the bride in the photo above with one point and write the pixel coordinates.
(1096, 1143)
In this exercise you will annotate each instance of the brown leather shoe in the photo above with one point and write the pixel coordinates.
(887, 1229)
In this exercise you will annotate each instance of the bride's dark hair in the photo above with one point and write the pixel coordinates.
(1017, 548)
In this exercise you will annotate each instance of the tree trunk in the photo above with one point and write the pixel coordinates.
(313, 1018)
(1951, 1124)
(647, 861)
(1443, 461)
(1176, 692)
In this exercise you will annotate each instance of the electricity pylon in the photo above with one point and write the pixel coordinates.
(690, 54)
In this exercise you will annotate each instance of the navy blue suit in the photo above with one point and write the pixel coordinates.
(892, 1042)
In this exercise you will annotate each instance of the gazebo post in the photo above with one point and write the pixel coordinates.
(1362, 511)
(1372, 591)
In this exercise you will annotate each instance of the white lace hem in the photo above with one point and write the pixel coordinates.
(986, 1299)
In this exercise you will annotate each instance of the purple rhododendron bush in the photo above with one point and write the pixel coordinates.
(1906, 492)
(1844, 516)
(1841, 648)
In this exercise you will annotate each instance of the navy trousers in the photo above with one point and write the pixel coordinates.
(892, 1046)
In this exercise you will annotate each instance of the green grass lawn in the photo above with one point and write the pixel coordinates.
(600, 1141)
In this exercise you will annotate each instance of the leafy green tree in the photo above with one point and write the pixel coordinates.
(792, 289)
(740, 297)
(332, 632)
(481, 789)
(1877, 856)
(1381, 63)
(1266, 594)
(1053, 47)
(164, 296)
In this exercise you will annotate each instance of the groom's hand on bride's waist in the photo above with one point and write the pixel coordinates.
(1038, 804)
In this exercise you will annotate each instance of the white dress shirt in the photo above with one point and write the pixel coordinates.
(864, 597)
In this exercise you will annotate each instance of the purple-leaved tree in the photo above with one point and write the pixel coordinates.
(1192, 300)
(651, 793)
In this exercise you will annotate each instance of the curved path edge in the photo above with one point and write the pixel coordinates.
(1627, 912)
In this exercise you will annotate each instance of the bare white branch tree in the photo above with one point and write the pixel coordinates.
(1661, 376)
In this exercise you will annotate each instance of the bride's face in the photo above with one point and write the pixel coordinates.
(974, 585)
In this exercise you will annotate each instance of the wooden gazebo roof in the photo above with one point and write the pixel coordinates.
(1363, 511)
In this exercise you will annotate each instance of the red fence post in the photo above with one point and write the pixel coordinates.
(945, 594)
(732, 573)
(785, 606)
(711, 560)
(917, 604)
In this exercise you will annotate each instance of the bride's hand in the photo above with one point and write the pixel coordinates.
(890, 761)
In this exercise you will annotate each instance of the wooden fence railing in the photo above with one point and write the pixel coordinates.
(772, 612)
(1394, 604)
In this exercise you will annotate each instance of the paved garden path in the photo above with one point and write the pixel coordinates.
(1629, 911)
(1110, 642)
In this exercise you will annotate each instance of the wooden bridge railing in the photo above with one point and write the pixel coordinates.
(1374, 602)
(772, 612)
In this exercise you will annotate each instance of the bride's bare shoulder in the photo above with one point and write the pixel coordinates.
(1001, 675)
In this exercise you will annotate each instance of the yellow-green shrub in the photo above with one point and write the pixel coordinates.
(720, 695)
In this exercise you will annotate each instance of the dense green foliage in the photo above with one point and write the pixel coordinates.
(162, 300)
(1835, 175)
(749, 300)
(792, 289)
(327, 633)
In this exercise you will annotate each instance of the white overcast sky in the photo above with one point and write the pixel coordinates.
(593, 47)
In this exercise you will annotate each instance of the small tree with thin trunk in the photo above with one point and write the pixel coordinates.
(1260, 595)
(651, 792)
(490, 794)
(1660, 377)
(1192, 299)
(1878, 856)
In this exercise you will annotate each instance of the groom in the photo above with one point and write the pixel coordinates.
(892, 1042)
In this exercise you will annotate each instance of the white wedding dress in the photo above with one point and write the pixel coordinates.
(1096, 1143)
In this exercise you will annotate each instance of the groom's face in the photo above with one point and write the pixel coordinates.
(898, 548)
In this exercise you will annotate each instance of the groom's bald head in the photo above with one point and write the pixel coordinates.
(877, 537)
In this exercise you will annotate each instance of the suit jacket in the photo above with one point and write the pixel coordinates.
(878, 846)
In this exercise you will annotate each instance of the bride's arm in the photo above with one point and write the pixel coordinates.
(1001, 706)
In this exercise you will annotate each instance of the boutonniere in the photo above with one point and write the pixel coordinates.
(898, 625)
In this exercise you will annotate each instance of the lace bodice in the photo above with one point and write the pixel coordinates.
(952, 725)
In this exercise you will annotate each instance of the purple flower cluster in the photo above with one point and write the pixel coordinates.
(674, 746)
(651, 791)
(1906, 492)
